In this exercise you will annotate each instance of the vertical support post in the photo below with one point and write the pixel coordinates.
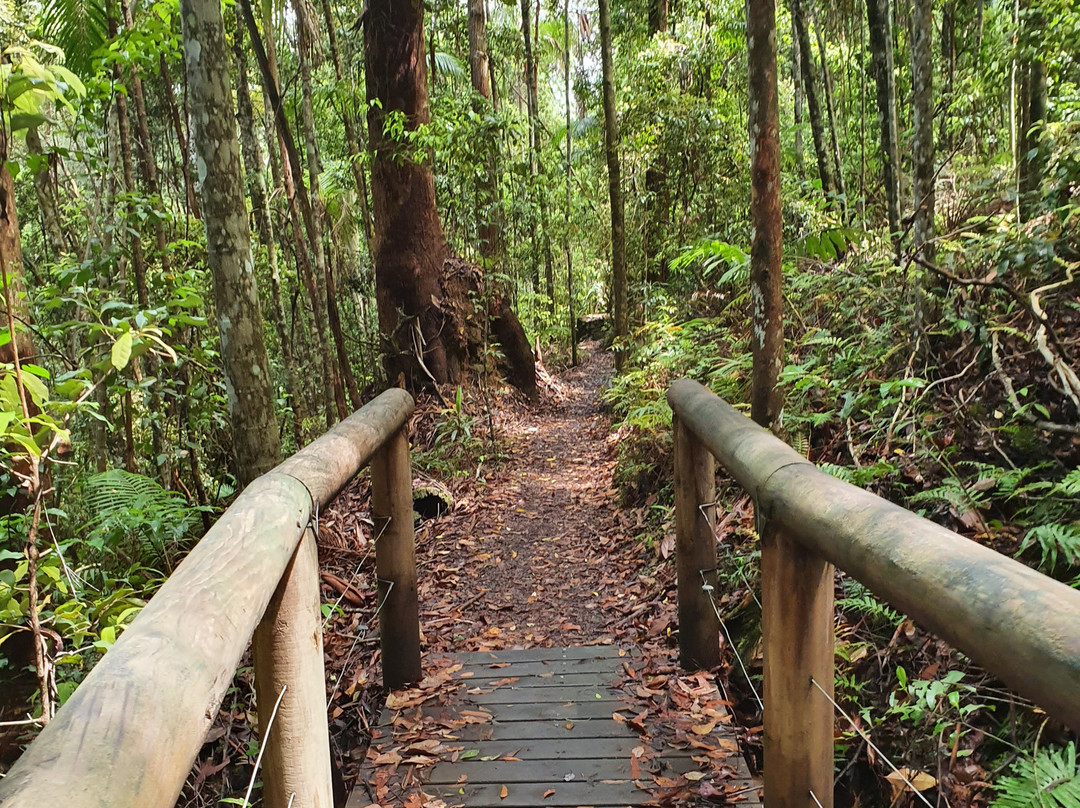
(797, 630)
(288, 652)
(395, 561)
(695, 550)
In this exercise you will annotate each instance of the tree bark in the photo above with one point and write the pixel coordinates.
(353, 128)
(181, 140)
(46, 196)
(536, 165)
(1031, 157)
(264, 226)
(765, 213)
(299, 207)
(341, 371)
(922, 122)
(569, 170)
(505, 325)
(410, 247)
(826, 82)
(800, 99)
(657, 197)
(256, 445)
(879, 22)
(611, 147)
(814, 110)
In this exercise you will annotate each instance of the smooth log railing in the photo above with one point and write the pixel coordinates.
(1018, 624)
(130, 733)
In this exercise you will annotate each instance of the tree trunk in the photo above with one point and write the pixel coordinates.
(353, 128)
(922, 122)
(948, 60)
(765, 214)
(611, 146)
(800, 100)
(256, 445)
(410, 247)
(1031, 156)
(46, 196)
(569, 153)
(826, 82)
(506, 327)
(264, 226)
(181, 140)
(536, 166)
(657, 198)
(299, 208)
(814, 110)
(658, 16)
(324, 282)
(879, 22)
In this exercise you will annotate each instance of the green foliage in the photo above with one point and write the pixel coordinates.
(134, 516)
(1047, 778)
(858, 598)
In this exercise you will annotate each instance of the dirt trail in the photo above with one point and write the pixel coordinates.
(532, 556)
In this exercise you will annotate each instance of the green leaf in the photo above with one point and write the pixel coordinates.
(121, 351)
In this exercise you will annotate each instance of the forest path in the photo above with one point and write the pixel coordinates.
(534, 554)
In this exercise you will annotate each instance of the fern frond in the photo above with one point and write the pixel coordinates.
(1049, 779)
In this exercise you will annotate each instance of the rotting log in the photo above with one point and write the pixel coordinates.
(395, 562)
(1017, 623)
(695, 551)
(128, 736)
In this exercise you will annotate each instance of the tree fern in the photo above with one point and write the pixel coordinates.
(1049, 779)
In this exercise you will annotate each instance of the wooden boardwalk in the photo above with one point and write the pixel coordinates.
(544, 727)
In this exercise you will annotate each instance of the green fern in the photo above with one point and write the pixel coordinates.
(1052, 540)
(78, 27)
(860, 599)
(1050, 779)
(133, 510)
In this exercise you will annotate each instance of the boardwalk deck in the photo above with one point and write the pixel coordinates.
(535, 728)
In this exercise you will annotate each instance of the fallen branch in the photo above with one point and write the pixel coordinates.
(1010, 393)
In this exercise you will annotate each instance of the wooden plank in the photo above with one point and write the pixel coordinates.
(549, 679)
(559, 749)
(530, 795)
(542, 654)
(540, 730)
(570, 711)
(500, 670)
(532, 771)
(511, 694)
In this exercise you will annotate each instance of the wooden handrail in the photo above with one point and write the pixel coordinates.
(1020, 625)
(131, 731)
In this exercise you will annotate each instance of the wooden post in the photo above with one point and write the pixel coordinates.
(395, 561)
(695, 551)
(288, 652)
(797, 629)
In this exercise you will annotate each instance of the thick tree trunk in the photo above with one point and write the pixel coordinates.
(765, 214)
(922, 122)
(256, 445)
(879, 22)
(410, 247)
(658, 16)
(611, 147)
(813, 103)
(264, 226)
